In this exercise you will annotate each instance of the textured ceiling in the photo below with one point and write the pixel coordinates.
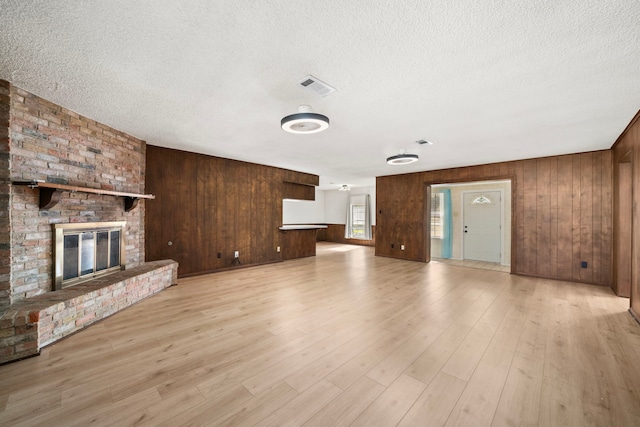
(486, 81)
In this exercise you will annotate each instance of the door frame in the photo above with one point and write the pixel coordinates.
(512, 178)
(502, 219)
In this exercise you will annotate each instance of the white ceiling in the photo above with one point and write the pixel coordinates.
(486, 81)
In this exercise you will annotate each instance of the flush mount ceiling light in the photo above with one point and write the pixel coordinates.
(402, 159)
(344, 187)
(304, 121)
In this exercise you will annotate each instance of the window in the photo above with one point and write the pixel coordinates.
(481, 200)
(437, 215)
(357, 221)
(358, 217)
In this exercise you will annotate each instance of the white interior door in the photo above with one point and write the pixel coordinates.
(482, 223)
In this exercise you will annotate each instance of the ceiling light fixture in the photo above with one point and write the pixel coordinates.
(402, 159)
(304, 121)
(344, 187)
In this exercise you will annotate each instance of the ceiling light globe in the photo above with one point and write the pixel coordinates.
(402, 159)
(304, 121)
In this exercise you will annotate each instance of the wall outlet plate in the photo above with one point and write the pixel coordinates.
(402, 247)
(278, 249)
(236, 254)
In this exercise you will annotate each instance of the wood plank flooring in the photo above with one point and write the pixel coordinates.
(484, 265)
(343, 339)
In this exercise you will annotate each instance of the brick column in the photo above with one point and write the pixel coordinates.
(5, 235)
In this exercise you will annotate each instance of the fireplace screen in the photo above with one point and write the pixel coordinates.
(84, 251)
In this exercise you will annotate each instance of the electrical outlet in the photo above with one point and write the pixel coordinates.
(236, 254)
(219, 254)
(402, 247)
(392, 246)
(278, 249)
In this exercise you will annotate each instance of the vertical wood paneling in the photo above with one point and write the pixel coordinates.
(259, 239)
(586, 219)
(229, 190)
(626, 156)
(565, 218)
(427, 214)
(597, 219)
(298, 243)
(264, 237)
(295, 191)
(208, 206)
(335, 233)
(404, 208)
(529, 240)
(216, 216)
(154, 249)
(623, 235)
(607, 217)
(543, 216)
(178, 232)
(383, 225)
(553, 217)
(576, 224)
(555, 224)
(517, 258)
(244, 226)
(184, 233)
(635, 246)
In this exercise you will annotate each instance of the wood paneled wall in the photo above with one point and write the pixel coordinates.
(298, 191)
(208, 206)
(626, 171)
(561, 214)
(402, 217)
(298, 243)
(335, 233)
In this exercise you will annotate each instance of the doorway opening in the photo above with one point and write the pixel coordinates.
(471, 224)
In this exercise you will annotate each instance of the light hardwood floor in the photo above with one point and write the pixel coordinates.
(343, 338)
(483, 265)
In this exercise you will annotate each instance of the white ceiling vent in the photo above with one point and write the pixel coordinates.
(316, 86)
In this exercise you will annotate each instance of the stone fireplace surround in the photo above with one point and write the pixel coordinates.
(40, 140)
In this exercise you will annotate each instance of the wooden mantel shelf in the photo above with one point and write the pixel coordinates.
(50, 193)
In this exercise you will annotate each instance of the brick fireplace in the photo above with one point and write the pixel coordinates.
(40, 140)
(48, 142)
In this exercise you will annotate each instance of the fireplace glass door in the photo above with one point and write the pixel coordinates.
(84, 251)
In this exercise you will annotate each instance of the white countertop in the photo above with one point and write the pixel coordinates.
(301, 226)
